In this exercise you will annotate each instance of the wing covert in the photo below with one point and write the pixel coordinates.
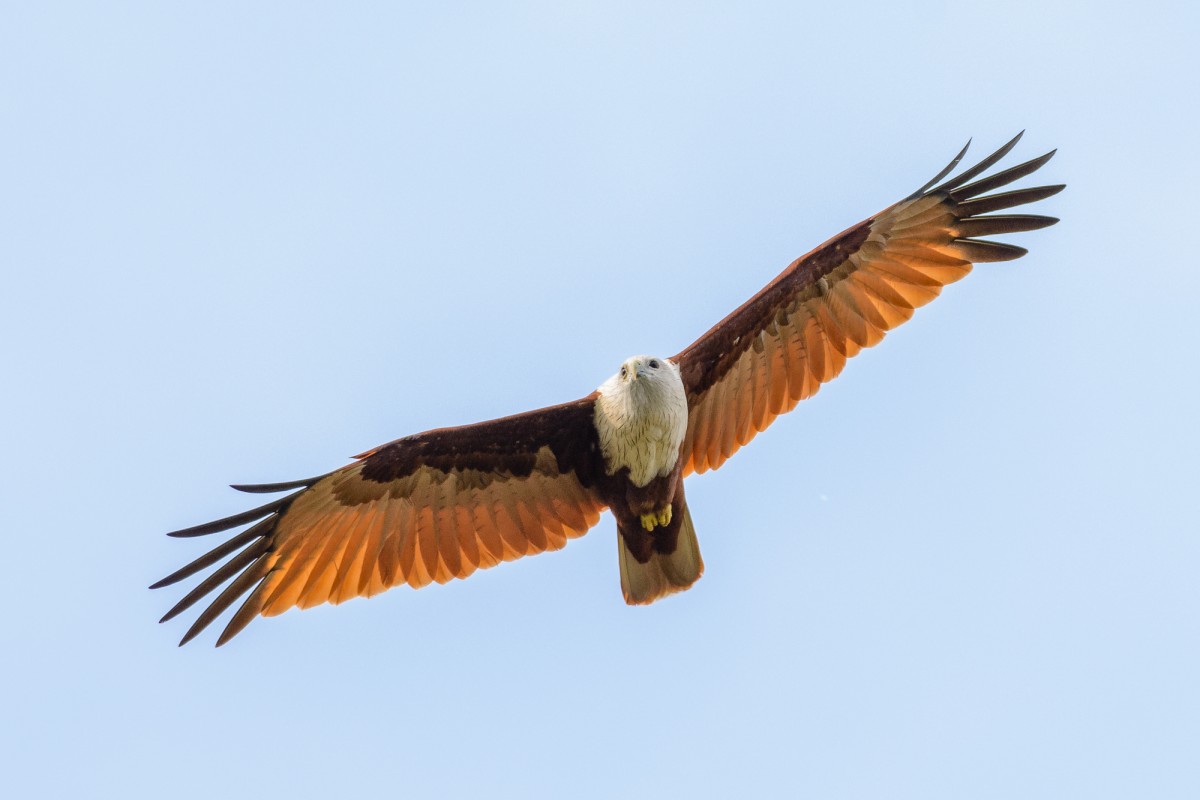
(797, 333)
(426, 508)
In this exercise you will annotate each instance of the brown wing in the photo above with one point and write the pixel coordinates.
(429, 507)
(781, 345)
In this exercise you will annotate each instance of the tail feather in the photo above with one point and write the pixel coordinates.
(664, 573)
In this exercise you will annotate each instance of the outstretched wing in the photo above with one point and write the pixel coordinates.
(429, 507)
(781, 345)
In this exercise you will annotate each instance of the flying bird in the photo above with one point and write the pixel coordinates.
(441, 504)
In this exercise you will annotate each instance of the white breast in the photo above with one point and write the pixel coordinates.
(642, 423)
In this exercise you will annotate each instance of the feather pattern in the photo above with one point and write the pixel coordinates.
(427, 508)
(439, 505)
(798, 332)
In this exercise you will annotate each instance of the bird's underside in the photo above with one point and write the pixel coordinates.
(441, 504)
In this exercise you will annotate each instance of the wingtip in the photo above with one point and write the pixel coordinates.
(961, 154)
(271, 488)
(954, 162)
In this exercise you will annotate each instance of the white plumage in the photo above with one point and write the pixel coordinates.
(641, 417)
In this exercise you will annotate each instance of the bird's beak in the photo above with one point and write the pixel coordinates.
(638, 373)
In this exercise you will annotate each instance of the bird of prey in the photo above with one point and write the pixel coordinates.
(441, 504)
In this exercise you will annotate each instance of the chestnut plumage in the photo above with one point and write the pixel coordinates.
(441, 504)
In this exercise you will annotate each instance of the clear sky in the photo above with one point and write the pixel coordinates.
(241, 242)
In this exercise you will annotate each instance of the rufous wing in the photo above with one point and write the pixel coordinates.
(427, 508)
(797, 333)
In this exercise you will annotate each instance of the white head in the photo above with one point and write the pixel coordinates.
(645, 378)
(641, 418)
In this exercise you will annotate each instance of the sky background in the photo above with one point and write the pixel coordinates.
(241, 242)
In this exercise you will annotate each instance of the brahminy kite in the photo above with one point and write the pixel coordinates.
(441, 504)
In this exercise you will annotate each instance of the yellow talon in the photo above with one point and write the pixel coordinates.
(660, 519)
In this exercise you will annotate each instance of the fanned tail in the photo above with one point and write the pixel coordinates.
(664, 573)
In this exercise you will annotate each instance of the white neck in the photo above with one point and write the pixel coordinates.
(641, 422)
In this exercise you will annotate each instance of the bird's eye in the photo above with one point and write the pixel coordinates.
(654, 363)
(624, 372)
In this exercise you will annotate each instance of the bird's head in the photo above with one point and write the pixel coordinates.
(646, 375)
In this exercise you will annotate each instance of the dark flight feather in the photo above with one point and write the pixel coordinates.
(797, 333)
(224, 524)
(1002, 178)
(271, 488)
(981, 167)
(441, 504)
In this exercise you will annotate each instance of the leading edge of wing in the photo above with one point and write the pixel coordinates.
(506, 449)
(843, 296)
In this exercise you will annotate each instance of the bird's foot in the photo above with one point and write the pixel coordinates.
(659, 519)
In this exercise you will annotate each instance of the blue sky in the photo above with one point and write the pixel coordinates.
(241, 242)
